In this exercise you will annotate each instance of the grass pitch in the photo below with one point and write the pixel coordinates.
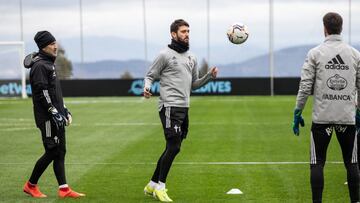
(114, 143)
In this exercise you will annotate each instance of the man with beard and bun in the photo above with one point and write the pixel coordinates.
(332, 71)
(177, 70)
(50, 114)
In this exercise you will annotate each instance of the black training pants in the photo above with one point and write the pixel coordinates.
(175, 122)
(55, 149)
(320, 138)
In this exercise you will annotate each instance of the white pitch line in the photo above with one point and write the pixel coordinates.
(104, 101)
(194, 163)
(85, 101)
(124, 124)
(16, 119)
(148, 124)
(15, 129)
(8, 127)
(17, 124)
(141, 100)
(191, 123)
(198, 99)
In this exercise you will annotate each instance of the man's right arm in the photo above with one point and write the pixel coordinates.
(39, 78)
(357, 112)
(153, 73)
(307, 81)
(358, 79)
(305, 87)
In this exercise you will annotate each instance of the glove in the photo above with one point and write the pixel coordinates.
(58, 119)
(68, 117)
(357, 120)
(298, 119)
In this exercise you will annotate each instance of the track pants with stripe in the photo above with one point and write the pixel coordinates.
(320, 137)
(175, 122)
(55, 148)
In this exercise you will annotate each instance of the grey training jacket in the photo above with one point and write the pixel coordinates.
(178, 74)
(332, 68)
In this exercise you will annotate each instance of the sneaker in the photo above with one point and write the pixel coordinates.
(68, 192)
(148, 190)
(162, 195)
(33, 190)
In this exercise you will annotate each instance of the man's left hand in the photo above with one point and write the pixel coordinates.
(214, 71)
(68, 117)
(357, 120)
(298, 120)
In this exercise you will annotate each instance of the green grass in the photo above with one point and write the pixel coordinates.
(111, 158)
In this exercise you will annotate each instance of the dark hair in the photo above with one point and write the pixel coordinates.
(174, 27)
(333, 23)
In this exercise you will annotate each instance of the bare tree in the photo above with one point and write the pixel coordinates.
(63, 65)
(126, 75)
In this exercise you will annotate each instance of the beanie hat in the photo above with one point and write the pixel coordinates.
(43, 38)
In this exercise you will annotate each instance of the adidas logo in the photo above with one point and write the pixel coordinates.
(337, 63)
(174, 61)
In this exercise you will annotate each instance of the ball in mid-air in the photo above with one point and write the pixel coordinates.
(238, 33)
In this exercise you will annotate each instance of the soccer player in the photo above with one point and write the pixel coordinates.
(332, 70)
(51, 115)
(177, 70)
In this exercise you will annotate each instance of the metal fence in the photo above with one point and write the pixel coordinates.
(95, 33)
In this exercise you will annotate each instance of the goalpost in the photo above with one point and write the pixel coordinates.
(12, 71)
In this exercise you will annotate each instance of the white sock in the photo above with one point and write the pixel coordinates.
(63, 186)
(31, 184)
(160, 186)
(152, 184)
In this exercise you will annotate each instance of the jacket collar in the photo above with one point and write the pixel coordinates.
(333, 38)
(47, 56)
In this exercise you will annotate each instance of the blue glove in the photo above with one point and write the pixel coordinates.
(357, 120)
(298, 119)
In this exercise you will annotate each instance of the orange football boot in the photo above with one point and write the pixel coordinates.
(68, 192)
(33, 190)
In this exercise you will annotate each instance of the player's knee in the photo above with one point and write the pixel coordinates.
(177, 149)
(318, 165)
(174, 149)
(56, 153)
(61, 153)
(352, 167)
(50, 153)
(184, 134)
(170, 133)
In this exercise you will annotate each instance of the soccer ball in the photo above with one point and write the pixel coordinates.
(238, 33)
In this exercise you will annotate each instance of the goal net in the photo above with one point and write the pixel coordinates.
(12, 72)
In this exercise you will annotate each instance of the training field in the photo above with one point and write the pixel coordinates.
(114, 143)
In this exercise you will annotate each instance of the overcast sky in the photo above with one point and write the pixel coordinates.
(296, 22)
